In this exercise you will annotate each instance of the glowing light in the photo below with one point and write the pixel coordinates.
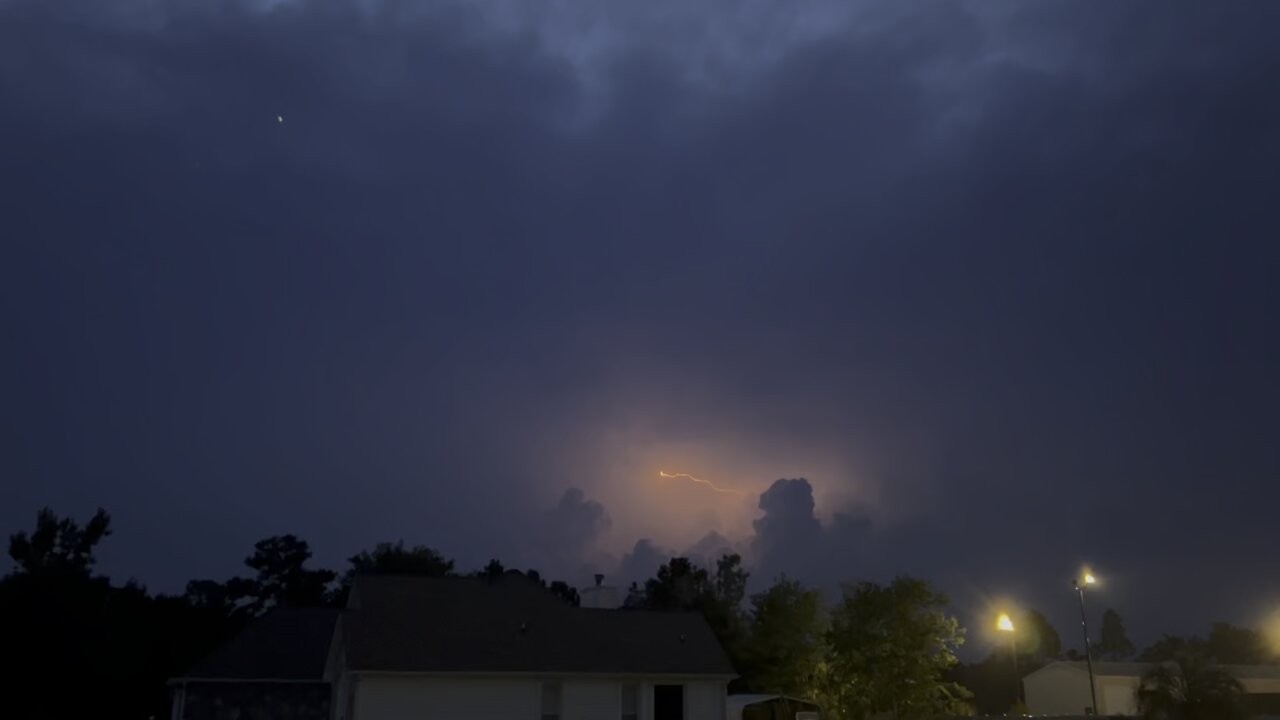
(1003, 623)
(1272, 631)
(279, 118)
(700, 481)
(1089, 579)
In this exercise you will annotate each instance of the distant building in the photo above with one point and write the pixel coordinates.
(1062, 688)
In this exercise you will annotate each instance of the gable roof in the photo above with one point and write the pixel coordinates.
(283, 644)
(512, 625)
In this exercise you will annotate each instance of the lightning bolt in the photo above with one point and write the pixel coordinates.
(700, 481)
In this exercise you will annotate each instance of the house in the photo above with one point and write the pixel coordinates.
(273, 669)
(506, 648)
(1062, 688)
(494, 648)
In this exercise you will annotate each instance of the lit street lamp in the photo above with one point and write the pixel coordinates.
(1079, 586)
(1004, 624)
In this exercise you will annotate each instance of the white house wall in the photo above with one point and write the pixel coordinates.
(1261, 685)
(589, 700)
(1056, 690)
(416, 698)
(704, 700)
(405, 697)
(1118, 695)
(1063, 690)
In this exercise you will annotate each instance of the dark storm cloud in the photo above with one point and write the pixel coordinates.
(565, 541)
(788, 536)
(710, 548)
(640, 563)
(644, 558)
(1010, 264)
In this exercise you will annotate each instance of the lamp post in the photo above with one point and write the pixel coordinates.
(1079, 586)
(1005, 625)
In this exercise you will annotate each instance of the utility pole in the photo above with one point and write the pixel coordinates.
(1084, 628)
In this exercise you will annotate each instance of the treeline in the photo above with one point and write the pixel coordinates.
(892, 648)
(79, 645)
(879, 648)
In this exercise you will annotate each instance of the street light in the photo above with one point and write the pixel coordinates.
(1005, 624)
(1079, 586)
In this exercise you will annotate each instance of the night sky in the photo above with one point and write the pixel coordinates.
(998, 279)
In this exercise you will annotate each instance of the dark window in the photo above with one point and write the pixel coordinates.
(668, 702)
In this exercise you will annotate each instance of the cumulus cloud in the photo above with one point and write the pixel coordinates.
(645, 556)
(710, 548)
(788, 535)
(641, 562)
(564, 543)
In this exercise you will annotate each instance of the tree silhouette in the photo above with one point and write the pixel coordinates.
(1226, 644)
(1172, 647)
(1114, 643)
(678, 585)
(1189, 688)
(282, 580)
(730, 581)
(493, 569)
(1037, 638)
(231, 599)
(1236, 645)
(562, 590)
(119, 643)
(723, 608)
(992, 681)
(681, 585)
(59, 545)
(395, 559)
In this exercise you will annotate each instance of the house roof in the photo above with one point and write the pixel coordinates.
(1138, 669)
(283, 644)
(512, 624)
